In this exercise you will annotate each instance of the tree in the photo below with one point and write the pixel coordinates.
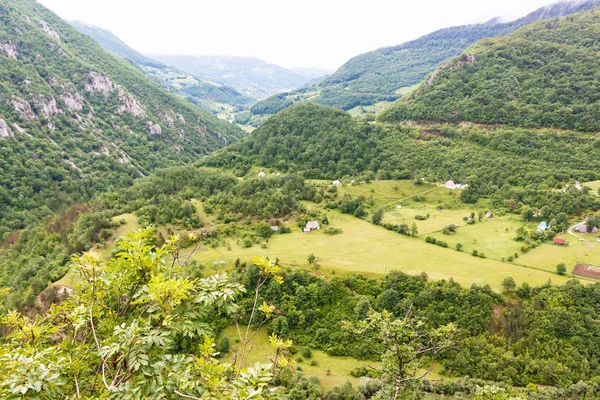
(561, 222)
(561, 269)
(414, 231)
(125, 332)
(509, 284)
(459, 246)
(528, 214)
(312, 258)
(377, 217)
(407, 346)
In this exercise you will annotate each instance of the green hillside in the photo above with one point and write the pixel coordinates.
(75, 120)
(321, 141)
(544, 75)
(380, 75)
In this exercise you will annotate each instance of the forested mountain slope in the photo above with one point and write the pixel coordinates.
(75, 120)
(544, 75)
(378, 75)
(209, 95)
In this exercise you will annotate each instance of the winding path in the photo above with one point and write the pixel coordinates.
(570, 230)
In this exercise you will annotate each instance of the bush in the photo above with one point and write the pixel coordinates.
(561, 269)
(306, 352)
(332, 231)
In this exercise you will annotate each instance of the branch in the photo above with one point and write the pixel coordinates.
(185, 396)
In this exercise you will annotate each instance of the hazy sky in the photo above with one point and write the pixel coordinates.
(306, 33)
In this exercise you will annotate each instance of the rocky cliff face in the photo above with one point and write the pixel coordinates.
(5, 131)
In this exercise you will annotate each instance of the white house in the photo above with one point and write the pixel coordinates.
(336, 183)
(311, 226)
(450, 184)
(262, 174)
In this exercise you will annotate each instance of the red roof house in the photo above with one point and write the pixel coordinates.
(559, 241)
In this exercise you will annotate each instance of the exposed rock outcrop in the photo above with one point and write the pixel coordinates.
(47, 105)
(49, 31)
(72, 99)
(8, 49)
(129, 104)
(5, 130)
(180, 118)
(167, 120)
(98, 83)
(23, 109)
(153, 128)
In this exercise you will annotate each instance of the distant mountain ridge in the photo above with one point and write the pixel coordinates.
(382, 74)
(251, 76)
(209, 95)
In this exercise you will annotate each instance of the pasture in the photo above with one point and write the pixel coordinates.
(372, 250)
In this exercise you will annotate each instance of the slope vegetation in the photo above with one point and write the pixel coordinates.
(544, 75)
(75, 120)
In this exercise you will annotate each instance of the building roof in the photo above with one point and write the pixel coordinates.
(582, 228)
(588, 271)
(262, 174)
(543, 225)
(559, 240)
(312, 225)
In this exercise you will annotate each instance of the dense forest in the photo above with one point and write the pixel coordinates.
(37, 255)
(77, 121)
(543, 75)
(377, 75)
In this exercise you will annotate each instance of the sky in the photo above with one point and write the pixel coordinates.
(307, 33)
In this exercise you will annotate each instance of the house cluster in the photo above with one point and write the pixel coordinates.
(451, 185)
(582, 228)
(311, 226)
(263, 174)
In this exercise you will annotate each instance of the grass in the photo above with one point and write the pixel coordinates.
(339, 367)
(374, 251)
(547, 256)
(594, 185)
(494, 237)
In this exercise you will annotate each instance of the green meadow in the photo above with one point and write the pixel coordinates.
(372, 250)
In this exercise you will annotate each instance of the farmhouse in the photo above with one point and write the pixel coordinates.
(311, 226)
(587, 271)
(262, 174)
(581, 228)
(559, 241)
(450, 184)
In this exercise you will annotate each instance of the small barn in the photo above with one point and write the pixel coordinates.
(336, 183)
(595, 229)
(311, 226)
(587, 271)
(542, 226)
(262, 174)
(559, 241)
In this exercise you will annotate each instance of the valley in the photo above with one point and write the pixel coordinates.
(420, 224)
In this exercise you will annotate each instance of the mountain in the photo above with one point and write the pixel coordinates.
(251, 76)
(212, 96)
(75, 120)
(387, 73)
(543, 75)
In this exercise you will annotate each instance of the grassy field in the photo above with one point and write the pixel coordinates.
(339, 367)
(494, 237)
(374, 251)
(548, 255)
(595, 185)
